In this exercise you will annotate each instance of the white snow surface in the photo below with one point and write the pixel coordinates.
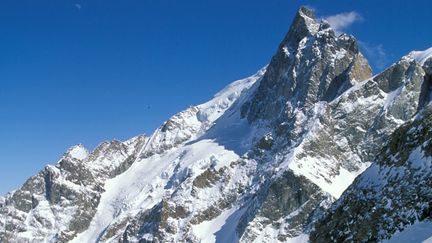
(213, 109)
(220, 229)
(417, 232)
(421, 56)
(78, 152)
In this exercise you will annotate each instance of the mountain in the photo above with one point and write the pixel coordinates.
(395, 192)
(265, 160)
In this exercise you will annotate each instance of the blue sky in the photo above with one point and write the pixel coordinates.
(88, 71)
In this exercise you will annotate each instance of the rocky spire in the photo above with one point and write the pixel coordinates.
(311, 64)
(304, 24)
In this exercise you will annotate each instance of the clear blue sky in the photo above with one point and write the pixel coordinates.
(85, 71)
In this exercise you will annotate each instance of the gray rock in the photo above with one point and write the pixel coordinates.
(393, 193)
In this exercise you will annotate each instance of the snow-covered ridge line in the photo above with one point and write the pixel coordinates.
(162, 160)
(196, 120)
(211, 110)
(421, 56)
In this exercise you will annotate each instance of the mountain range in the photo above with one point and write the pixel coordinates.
(311, 148)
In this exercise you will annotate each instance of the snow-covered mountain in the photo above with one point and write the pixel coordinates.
(392, 199)
(263, 161)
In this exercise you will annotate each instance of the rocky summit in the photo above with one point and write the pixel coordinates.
(311, 148)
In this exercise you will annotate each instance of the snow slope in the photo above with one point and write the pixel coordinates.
(418, 232)
(421, 56)
(145, 183)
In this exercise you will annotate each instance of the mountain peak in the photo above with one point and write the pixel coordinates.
(78, 152)
(311, 65)
(304, 23)
(305, 11)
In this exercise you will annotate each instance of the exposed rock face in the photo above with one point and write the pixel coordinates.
(260, 162)
(285, 210)
(425, 95)
(61, 200)
(311, 64)
(396, 191)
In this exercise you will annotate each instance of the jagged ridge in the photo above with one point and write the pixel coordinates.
(262, 161)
